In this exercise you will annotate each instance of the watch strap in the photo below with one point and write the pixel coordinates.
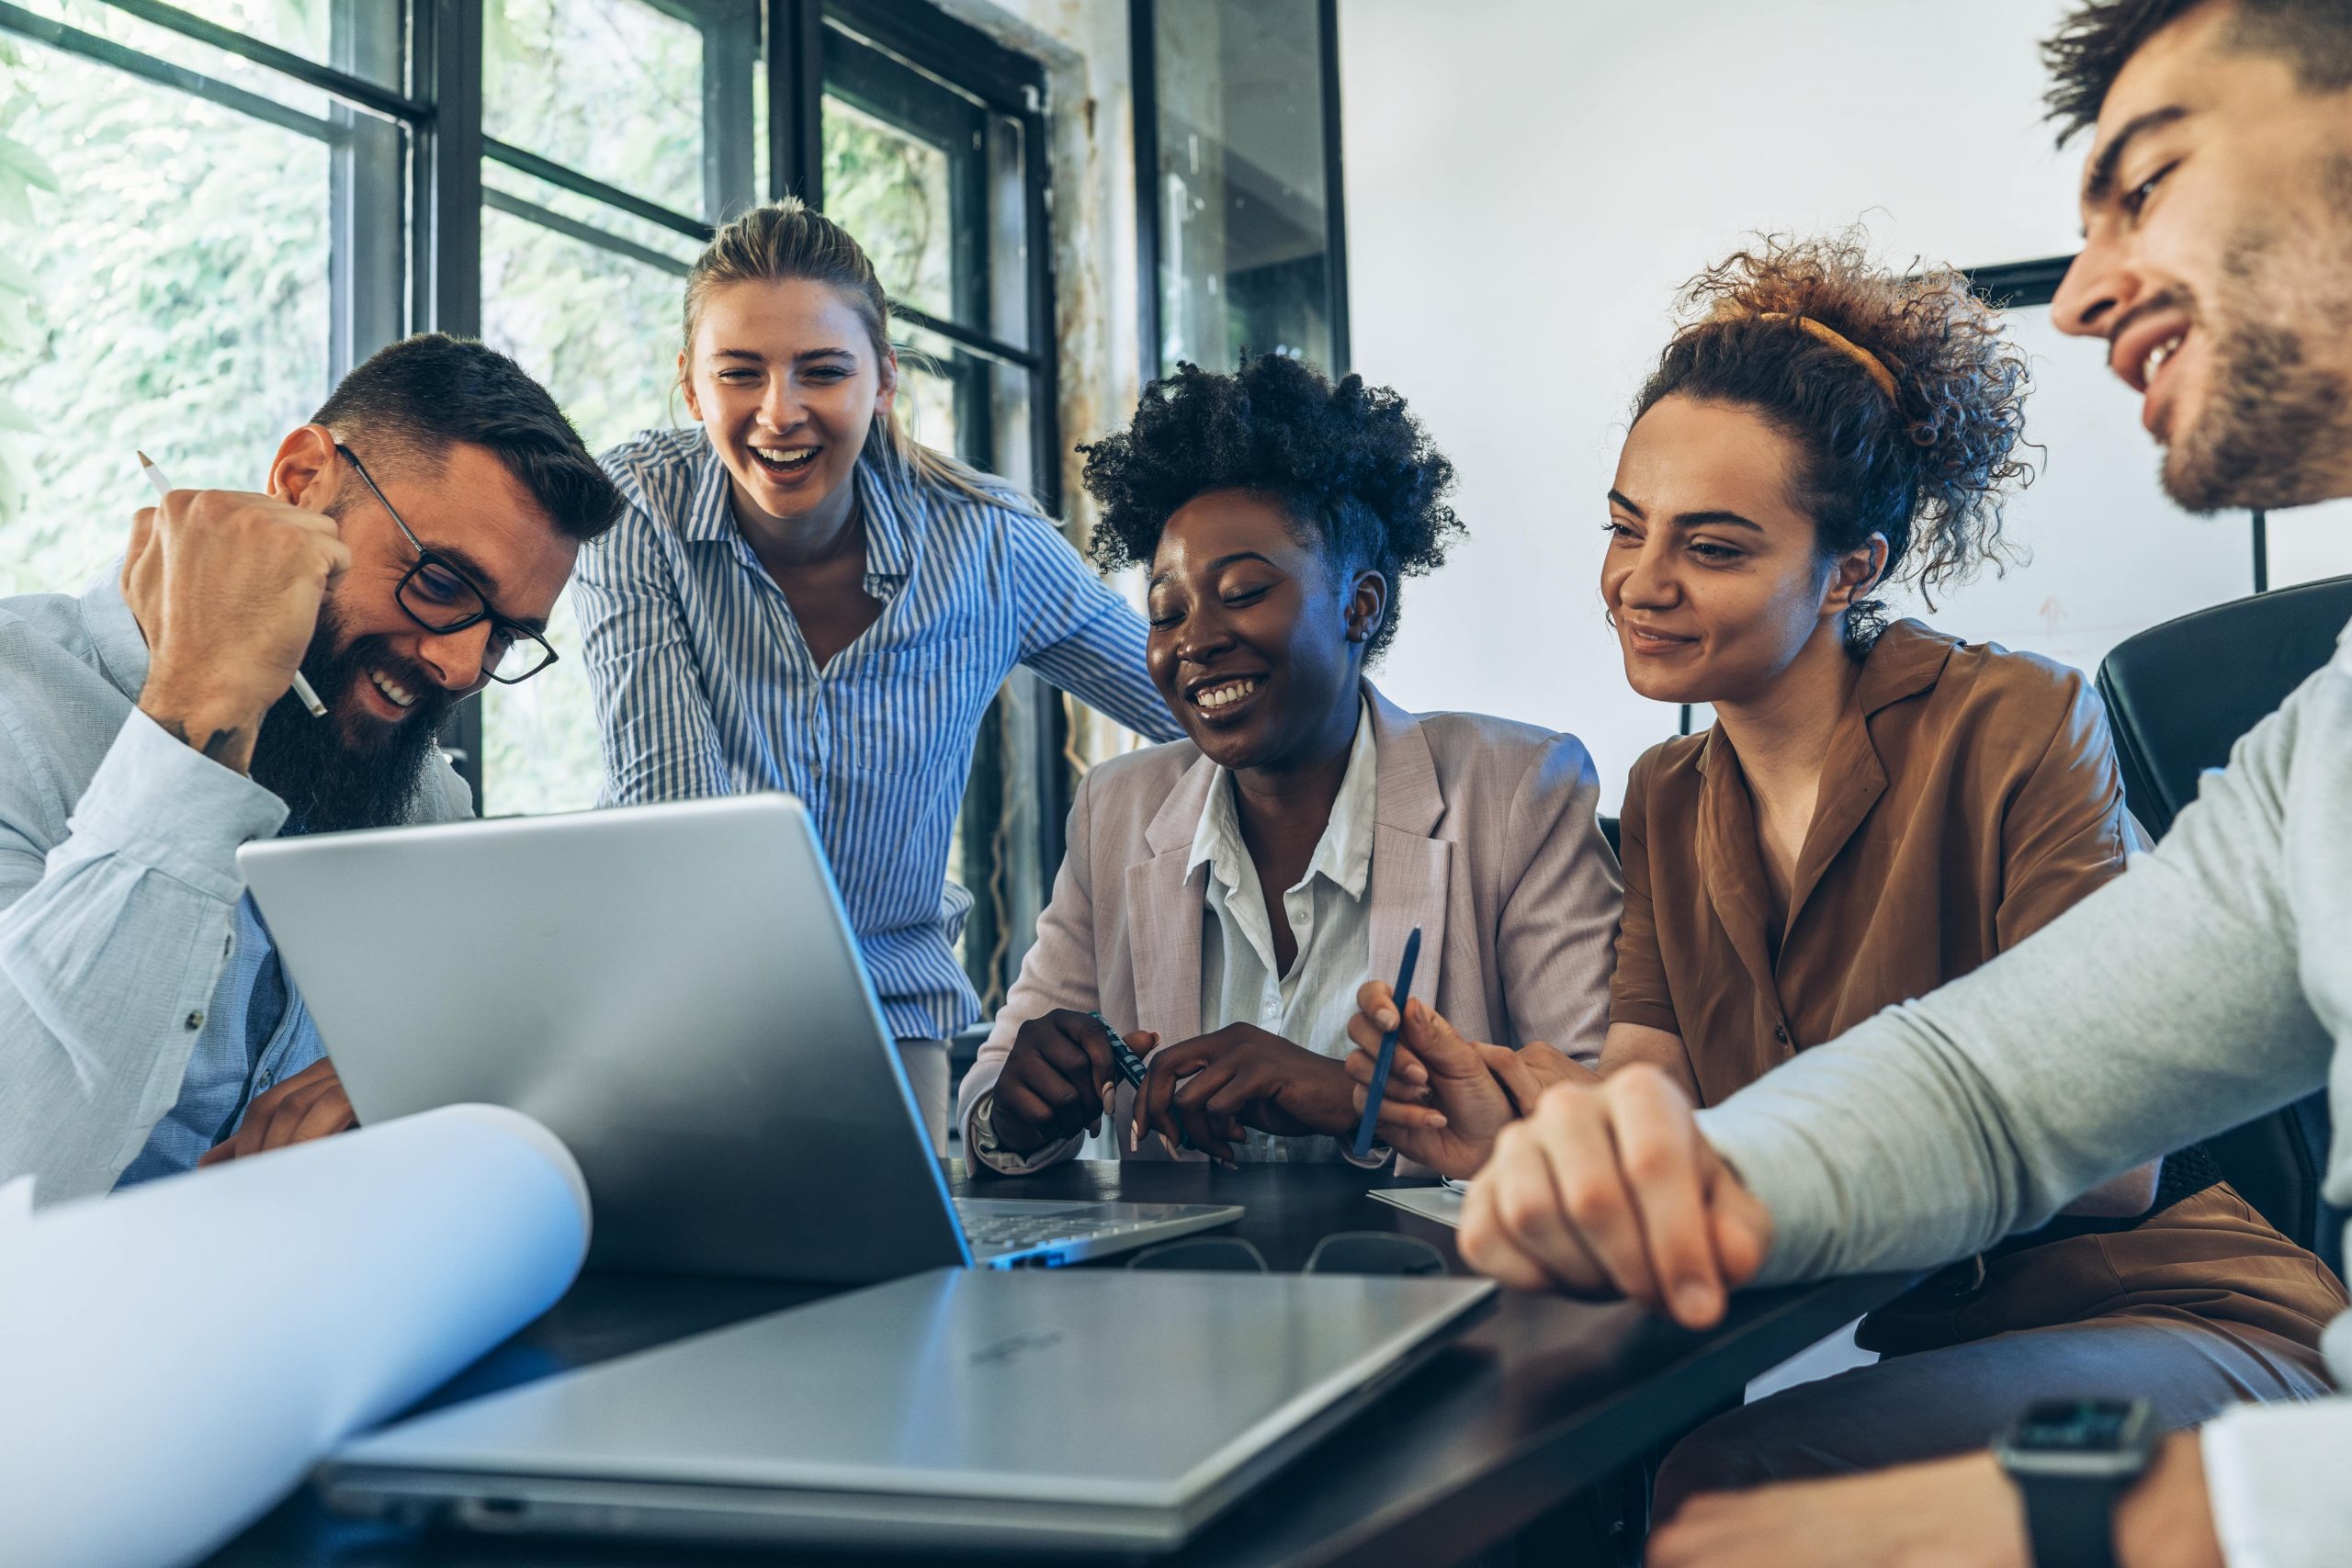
(2070, 1519)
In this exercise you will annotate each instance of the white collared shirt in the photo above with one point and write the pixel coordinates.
(1330, 914)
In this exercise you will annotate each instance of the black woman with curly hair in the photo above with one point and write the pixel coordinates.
(1225, 895)
(1878, 810)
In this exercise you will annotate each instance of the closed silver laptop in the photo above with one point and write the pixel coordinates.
(675, 992)
(957, 1409)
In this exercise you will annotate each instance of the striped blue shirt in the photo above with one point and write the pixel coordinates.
(705, 687)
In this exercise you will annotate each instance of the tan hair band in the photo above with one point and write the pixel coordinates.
(1828, 335)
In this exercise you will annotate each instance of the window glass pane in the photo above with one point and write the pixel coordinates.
(222, 65)
(888, 188)
(550, 206)
(928, 371)
(959, 402)
(600, 330)
(761, 149)
(1008, 231)
(2309, 543)
(304, 28)
(931, 184)
(299, 26)
(132, 315)
(1242, 225)
(2110, 555)
(612, 89)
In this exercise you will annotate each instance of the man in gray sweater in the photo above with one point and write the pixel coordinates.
(2210, 985)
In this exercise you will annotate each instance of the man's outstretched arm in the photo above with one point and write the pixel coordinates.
(2167, 1007)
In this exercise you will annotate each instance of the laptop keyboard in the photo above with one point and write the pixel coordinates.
(1000, 1232)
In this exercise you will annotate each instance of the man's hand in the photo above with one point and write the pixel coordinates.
(1954, 1513)
(1447, 1097)
(1205, 1089)
(1058, 1080)
(226, 586)
(1527, 1072)
(1607, 1189)
(310, 1104)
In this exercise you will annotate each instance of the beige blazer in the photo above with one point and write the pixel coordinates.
(1485, 837)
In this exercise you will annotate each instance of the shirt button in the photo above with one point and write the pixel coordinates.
(1781, 1032)
(195, 1019)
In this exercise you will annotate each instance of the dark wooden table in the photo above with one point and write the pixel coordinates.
(1481, 1447)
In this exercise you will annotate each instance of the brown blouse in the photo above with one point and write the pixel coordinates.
(1970, 796)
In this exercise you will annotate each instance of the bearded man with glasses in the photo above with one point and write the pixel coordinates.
(145, 1025)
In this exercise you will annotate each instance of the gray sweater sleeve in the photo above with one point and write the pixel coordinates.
(2167, 1007)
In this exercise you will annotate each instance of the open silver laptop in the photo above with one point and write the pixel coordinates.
(675, 992)
(1083, 1409)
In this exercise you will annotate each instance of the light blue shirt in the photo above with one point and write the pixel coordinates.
(705, 687)
(129, 952)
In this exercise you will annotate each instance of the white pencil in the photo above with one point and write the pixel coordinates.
(301, 687)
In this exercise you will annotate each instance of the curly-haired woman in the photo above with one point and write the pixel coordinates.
(1225, 895)
(800, 596)
(1879, 809)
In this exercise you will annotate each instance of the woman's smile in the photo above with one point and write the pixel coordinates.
(1224, 699)
(784, 462)
(1648, 642)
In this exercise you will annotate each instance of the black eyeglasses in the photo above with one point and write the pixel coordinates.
(438, 595)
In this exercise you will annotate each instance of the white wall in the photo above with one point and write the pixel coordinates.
(2311, 541)
(1530, 181)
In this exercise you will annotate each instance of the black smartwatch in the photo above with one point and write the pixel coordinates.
(2072, 1460)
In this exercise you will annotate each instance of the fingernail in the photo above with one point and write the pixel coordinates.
(1437, 1118)
(1694, 1301)
(1387, 1017)
(1166, 1144)
(1135, 1136)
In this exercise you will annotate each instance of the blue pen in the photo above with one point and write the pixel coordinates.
(1387, 1048)
(1130, 1066)
(1122, 1054)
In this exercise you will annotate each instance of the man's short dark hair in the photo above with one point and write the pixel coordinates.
(416, 398)
(2093, 44)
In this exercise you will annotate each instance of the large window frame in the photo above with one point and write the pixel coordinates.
(430, 188)
(1143, 33)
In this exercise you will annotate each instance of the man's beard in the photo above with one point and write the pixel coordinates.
(329, 782)
(2276, 428)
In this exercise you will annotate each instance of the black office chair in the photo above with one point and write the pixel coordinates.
(2179, 695)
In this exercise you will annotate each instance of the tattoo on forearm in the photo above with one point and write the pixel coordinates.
(219, 745)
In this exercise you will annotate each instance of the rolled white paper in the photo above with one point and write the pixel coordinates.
(173, 1360)
(16, 1204)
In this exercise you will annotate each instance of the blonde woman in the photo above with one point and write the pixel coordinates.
(801, 597)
